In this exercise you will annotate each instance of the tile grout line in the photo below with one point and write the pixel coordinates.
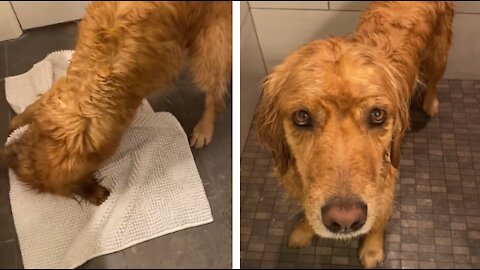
(7, 241)
(9, 114)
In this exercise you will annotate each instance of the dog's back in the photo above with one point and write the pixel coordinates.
(414, 38)
(142, 43)
(402, 22)
(412, 34)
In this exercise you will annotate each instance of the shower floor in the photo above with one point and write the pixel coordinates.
(436, 222)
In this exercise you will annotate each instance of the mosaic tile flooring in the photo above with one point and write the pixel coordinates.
(436, 222)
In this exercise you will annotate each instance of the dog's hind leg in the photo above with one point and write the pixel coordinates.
(24, 118)
(210, 57)
(433, 72)
(435, 63)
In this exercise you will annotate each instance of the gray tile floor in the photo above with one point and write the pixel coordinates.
(204, 246)
(436, 220)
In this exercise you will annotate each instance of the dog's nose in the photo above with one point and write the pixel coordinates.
(344, 215)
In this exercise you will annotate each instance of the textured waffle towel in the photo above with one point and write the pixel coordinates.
(156, 188)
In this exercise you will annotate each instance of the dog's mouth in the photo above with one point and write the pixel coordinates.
(342, 233)
(345, 236)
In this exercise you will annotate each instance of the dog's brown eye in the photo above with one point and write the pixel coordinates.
(377, 117)
(302, 118)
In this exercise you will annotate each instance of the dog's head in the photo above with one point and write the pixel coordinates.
(334, 112)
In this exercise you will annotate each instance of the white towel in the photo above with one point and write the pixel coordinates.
(155, 187)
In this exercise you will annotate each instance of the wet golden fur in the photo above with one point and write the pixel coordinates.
(339, 81)
(124, 51)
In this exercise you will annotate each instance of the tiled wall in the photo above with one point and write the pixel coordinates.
(252, 71)
(9, 27)
(283, 26)
(32, 14)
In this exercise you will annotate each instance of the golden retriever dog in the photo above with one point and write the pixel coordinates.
(335, 111)
(124, 51)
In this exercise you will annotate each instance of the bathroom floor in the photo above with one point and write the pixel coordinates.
(436, 222)
(204, 246)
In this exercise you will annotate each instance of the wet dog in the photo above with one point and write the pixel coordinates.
(124, 51)
(335, 111)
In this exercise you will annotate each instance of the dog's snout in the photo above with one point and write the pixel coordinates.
(344, 215)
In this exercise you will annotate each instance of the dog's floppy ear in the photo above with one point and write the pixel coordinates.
(269, 126)
(399, 94)
(395, 152)
(400, 127)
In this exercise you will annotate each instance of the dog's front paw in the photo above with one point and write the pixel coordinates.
(371, 257)
(202, 135)
(301, 236)
(299, 240)
(371, 252)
